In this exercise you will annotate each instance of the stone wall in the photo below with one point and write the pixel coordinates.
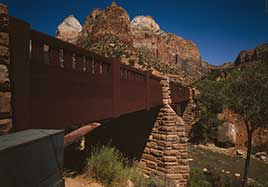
(5, 93)
(165, 153)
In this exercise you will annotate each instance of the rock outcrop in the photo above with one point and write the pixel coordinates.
(112, 21)
(182, 56)
(144, 23)
(69, 30)
(259, 53)
(226, 135)
(110, 33)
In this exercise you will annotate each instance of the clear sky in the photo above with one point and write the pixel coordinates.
(220, 28)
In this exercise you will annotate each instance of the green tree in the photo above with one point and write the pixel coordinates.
(210, 102)
(247, 95)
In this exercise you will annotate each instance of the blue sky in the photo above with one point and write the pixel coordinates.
(220, 28)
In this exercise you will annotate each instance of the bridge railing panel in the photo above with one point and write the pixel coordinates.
(132, 89)
(68, 84)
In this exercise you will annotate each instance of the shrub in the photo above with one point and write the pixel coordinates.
(139, 180)
(205, 130)
(210, 102)
(106, 164)
(154, 181)
(131, 61)
(137, 177)
(200, 179)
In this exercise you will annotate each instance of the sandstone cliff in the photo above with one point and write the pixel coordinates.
(259, 53)
(139, 42)
(182, 56)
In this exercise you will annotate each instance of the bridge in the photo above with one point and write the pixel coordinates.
(57, 84)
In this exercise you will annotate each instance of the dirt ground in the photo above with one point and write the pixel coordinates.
(80, 181)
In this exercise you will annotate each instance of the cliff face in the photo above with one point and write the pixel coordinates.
(107, 32)
(259, 53)
(140, 42)
(168, 47)
(181, 56)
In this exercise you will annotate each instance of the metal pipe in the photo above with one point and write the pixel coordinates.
(79, 133)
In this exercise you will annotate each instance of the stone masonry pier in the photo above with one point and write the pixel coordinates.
(166, 153)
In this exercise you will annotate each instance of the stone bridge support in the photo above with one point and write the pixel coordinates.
(191, 113)
(5, 90)
(165, 153)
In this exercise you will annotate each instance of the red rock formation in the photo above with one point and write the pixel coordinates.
(112, 21)
(109, 32)
(259, 53)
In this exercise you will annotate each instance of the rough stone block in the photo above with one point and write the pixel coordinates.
(183, 162)
(165, 101)
(152, 145)
(5, 102)
(4, 38)
(4, 52)
(172, 138)
(170, 158)
(169, 118)
(164, 143)
(3, 74)
(167, 129)
(5, 126)
(3, 9)
(4, 22)
(171, 152)
(149, 157)
(163, 170)
(166, 164)
(151, 165)
(156, 152)
(156, 136)
(146, 150)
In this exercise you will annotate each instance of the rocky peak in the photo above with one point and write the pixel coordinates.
(113, 21)
(145, 23)
(259, 53)
(69, 29)
(90, 20)
(140, 42)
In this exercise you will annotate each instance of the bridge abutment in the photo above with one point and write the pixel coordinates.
(165, 153)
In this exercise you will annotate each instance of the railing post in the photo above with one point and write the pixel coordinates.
(116, 87)
(20, 73)
(148, 94)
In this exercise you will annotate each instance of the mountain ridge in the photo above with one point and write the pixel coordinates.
(139, 42)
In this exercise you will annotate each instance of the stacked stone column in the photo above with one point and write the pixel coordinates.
(5, 91)
(191, 113)
(165, 153)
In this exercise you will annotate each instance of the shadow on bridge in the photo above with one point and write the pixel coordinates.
(128, 133)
